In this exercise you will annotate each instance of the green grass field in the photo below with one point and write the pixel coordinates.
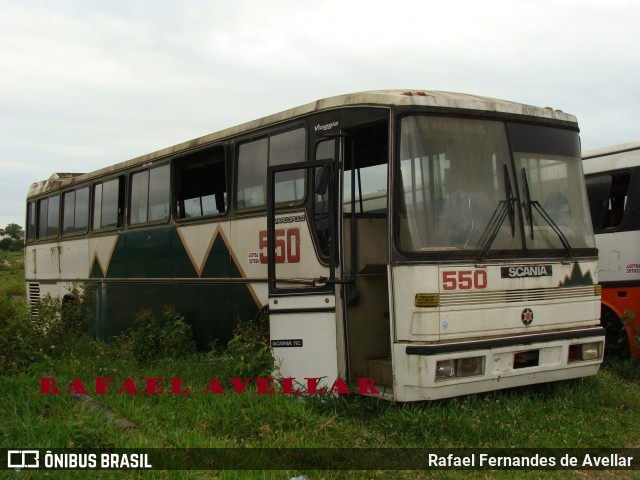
(597, 412)
(11, 273)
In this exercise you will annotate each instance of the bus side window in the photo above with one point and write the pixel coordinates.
(255, 156)
(108, 204)
(608, 195)
(150, 195)
(48, 217)
(201, 184)
(617, 200)
(322, 204)
(370, 153)
(75, 211)
(288, 147)
(31, 221)
(252, 173)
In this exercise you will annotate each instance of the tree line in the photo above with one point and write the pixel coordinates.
(12, 237)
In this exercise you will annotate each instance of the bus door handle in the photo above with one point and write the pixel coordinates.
(333, 281)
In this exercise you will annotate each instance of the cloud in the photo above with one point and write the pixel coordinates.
(89, 84)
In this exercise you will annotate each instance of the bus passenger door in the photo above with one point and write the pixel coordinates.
(305, 333)
(365, 254)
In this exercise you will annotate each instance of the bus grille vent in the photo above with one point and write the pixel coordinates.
(34, 298)
(450, 299)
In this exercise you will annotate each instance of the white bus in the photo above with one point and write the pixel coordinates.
(437, 243)
(613, 186)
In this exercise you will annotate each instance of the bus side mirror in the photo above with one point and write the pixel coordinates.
(322, 181)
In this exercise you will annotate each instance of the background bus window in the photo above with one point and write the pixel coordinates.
(608, 194)
(75, 214)
(201, 184)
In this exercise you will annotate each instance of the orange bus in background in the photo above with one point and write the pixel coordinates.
(613, 186)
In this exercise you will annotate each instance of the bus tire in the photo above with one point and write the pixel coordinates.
(68, 298)
(617, 342)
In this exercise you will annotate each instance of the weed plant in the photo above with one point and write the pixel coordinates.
(151, 337)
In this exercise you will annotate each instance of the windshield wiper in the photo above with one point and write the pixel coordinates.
(511, 199)
(529, 205)
(503, 210)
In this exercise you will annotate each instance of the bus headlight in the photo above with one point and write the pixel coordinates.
(460, 367)
(585, 351)
(445, 369)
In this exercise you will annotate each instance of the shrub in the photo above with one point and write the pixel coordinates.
(151, 337)
(19, 341)
(247, 354)
(58, 329)
(61, 321)
(629, 321)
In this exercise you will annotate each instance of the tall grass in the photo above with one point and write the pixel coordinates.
(595, 412)
(11, 273)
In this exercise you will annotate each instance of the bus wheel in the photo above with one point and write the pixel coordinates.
(617, 343)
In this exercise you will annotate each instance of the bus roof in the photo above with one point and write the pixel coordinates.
(601, 152)
(384, 98)
(615, 157)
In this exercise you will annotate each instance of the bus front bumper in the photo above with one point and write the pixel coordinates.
(429, 372)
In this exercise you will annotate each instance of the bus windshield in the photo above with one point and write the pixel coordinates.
(461, 188)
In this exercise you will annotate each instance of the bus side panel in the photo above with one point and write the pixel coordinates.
(212, 309)
(621, 300)
(191, 269)
(620, 278)
(619, 256)
(43, 262)
(295, 251)
(75, 259)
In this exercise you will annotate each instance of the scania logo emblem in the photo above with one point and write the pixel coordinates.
(527, 316)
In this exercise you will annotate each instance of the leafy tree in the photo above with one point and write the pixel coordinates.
(14, 231)
(13, 237)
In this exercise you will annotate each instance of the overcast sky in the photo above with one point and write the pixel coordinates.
(85, 84)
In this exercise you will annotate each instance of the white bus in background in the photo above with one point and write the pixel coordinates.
(437, 243)
(613, 185)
